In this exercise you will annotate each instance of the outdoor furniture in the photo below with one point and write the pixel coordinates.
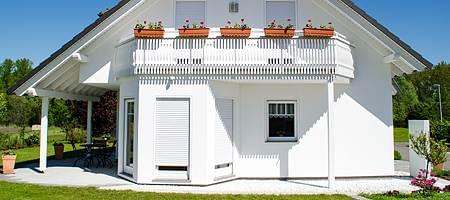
(93, 152)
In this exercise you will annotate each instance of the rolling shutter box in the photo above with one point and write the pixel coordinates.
(172, 136)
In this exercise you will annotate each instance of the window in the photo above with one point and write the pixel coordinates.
(194, 11)
(129, 135)
(281, 121)
(280, 11)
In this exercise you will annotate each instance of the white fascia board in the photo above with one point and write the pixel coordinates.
(376, 34)
(80, 57)
(79, 45)
(60, 95)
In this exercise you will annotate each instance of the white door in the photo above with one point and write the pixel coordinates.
(128, 150)
(172, 138)
(223, 138)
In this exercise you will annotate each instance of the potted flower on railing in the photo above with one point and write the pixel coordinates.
(151, 30)
(194, 30)
(8, 160)
(240, 30)
(279, 30)
(59, 150)
(322, 31)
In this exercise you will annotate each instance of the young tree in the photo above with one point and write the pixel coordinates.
(434, 152)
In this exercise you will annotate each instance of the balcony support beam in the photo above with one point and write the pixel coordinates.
(331, 155)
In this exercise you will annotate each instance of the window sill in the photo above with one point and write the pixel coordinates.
(287, 140)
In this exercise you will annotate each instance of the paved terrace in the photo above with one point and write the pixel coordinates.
(61, 173)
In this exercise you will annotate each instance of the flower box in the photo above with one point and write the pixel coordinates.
(235, 32)
(194, 32)
(149, 33)
(279, 32)
(317, 32)
(8, 164)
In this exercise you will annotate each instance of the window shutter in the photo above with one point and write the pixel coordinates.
(192, 10)
(224, 131)
(172, 132)
(281, 11)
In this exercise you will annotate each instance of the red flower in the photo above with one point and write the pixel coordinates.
(145, 22)
(187, 21)
(242, 20)
(309, 20)
(229, 22)
(202, 23)
(273, 21)
(289, 20)
(160, 22)
(330, 23)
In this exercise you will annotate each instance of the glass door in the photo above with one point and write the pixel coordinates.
(129, 136)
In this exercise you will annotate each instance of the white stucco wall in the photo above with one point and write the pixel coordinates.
(363, 126)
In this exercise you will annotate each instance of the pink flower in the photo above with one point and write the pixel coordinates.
(273, 21)
(187, 21)
(145, 22)
(330, 23)
(289, 20)
(309, 20)
(202, 23)
(229, 22)
(242, 20)
(160, 22)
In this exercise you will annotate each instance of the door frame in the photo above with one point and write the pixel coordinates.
(128, 169)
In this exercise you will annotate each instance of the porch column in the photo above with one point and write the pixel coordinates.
(44, 133)
(89, 122)
(331, 175)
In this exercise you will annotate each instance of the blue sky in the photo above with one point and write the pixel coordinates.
(35, 29)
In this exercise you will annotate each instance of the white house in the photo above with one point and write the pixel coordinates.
(205, 110)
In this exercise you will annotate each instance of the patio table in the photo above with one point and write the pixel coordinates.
(89, 155)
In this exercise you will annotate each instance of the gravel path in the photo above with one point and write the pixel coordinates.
(343, 186)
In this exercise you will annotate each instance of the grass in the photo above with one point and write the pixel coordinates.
(13, 191)
(31, 154)
(408, 196)
(401, 135)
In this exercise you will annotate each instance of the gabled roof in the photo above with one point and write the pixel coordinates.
(122, 3)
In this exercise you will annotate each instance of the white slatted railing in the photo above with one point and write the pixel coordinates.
(255, 56)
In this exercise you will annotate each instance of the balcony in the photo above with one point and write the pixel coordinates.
(307, 57)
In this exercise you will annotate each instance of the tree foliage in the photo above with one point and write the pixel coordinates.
(418, 98)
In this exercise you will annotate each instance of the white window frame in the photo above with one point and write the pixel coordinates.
(296, 117)
(296, 17)
(175, 13)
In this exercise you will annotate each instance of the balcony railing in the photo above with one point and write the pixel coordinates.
(254, 56)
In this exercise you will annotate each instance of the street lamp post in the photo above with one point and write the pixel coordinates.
(440, 100)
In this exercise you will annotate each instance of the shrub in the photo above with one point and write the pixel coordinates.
(426, 184)
(439, 130)
(397, 155)
(32, 139)
(76, 135)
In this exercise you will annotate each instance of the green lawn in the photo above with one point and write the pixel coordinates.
(442, 196)
(401, 135)
(12, 191)
(31, 154)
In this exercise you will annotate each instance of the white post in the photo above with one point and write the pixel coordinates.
(89, 122)
(416, 163)
(331, 175)
(44, 133)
